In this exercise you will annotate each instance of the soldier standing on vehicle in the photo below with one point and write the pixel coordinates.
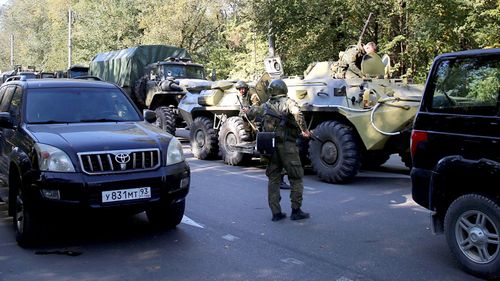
(282, 116)
(353, 57)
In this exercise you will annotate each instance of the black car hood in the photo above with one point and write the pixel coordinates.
(84, 137)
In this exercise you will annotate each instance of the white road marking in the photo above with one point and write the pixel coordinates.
(230, 237)
(292, 261)
(191, 222)
(342, 278)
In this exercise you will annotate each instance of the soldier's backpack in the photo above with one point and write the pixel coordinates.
(266, 140)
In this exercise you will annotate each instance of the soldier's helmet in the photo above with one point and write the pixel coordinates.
(277, 87)
(240, 84)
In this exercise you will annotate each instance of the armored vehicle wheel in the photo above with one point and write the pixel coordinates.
(203, 138)
(374, 159)
(231, 133)
(472, 228)
(334, 153)
(165, 119)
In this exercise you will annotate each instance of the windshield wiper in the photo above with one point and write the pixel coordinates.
(100, 120)
(51, 122)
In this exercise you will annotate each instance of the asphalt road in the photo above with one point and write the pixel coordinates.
(369, 229)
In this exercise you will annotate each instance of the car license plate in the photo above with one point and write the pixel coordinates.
(126, 194)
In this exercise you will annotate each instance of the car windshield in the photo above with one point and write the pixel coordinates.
(77, 72)
(184, 71)
(75, 105)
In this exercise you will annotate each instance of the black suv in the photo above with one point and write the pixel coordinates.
(455, 148)
(84, 145)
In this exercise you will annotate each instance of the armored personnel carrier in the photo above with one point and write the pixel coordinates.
(216, 125)
(356, 122)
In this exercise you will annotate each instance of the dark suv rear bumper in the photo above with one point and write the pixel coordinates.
(81, 191)
(421, 179)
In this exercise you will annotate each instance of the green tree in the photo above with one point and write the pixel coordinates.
(306, 31)
(102, 26)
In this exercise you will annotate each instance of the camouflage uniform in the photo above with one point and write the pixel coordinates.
(247, 100)
(349, 63)
(286, 156)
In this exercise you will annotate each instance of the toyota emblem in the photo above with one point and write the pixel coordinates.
(122, 159)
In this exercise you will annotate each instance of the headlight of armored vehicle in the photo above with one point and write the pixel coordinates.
(53, 159)
(174, 152)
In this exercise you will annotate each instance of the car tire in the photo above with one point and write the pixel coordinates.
(472, 228)
(166, 217)
(165, 119)
(334, 152)
(26, 221)
(233, 132)
(203, 139)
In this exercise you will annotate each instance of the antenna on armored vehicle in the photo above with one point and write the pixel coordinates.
(364, 29)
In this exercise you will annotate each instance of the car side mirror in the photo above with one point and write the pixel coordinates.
(149, 116)
(6, 120)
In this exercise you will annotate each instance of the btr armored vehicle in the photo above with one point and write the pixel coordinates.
(355, 122)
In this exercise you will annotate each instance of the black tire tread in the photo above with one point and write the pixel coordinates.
(349, 154)
(480, 202)
(211, 148)
(236, 126)
(167, 216)
(165, 119)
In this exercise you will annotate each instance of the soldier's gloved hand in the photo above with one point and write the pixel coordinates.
(306, 134)
(245, 109)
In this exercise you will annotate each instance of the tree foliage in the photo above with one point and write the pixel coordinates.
(231, 36)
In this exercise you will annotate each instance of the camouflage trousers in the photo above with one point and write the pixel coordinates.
(285, 157)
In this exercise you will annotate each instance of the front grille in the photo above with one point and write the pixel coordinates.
(119, 161)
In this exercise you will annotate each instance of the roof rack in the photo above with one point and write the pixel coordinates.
(17, 78)
(88, 77)
(176, 59)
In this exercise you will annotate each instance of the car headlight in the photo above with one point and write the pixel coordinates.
(53, 159)
(174, 152)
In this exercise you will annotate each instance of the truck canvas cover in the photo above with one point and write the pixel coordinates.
(125, 67)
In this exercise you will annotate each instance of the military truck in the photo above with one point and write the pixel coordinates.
(155, 76)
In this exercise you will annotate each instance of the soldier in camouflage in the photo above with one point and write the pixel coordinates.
(245, 98)
(349, 64)
(282, 115)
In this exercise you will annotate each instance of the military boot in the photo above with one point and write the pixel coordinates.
(298, 214)
(278, 216)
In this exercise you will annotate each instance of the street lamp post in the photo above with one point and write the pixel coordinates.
(70, 23)
(12, 50)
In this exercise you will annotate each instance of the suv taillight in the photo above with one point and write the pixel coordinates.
(416, 138)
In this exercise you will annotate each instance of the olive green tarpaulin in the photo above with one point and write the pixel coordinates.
(125, 67)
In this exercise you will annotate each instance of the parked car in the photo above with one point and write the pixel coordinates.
(82, 145)
(455, 147)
